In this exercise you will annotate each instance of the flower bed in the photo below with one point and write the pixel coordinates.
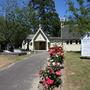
(50, 76)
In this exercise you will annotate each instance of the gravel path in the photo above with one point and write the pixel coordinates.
(23, 75)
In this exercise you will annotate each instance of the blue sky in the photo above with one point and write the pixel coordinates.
(61, 7)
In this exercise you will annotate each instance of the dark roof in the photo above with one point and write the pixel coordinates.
(66, 34)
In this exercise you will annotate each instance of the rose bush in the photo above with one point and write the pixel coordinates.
(50, 77)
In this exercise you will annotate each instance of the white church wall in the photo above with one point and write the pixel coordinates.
(71, 47)
(68, 47)
(31, 46)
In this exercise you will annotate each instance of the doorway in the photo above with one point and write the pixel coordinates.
(40, 45)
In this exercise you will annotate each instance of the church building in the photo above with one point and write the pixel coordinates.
(39, 41)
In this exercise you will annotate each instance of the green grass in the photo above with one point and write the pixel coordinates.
(77, 72)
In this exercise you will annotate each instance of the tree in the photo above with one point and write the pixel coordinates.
(8, 28)
(46, 16)
(2, 28)
(80, 18)
(15, 25)
(23, 20)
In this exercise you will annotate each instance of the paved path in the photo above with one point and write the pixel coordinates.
(21, 75)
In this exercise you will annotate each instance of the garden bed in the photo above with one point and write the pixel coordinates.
(51, 75)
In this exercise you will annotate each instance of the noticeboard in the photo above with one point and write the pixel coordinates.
(85, 47)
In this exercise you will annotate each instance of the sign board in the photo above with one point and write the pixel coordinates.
(85, 47)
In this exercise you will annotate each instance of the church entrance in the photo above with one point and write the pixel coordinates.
(40, 45)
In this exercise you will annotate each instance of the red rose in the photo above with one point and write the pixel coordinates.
(49, 81)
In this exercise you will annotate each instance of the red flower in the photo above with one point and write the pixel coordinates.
(49, 81)
(58, 73)
(52, 52)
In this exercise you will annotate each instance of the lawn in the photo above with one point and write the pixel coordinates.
(77, 72)
(6, 60)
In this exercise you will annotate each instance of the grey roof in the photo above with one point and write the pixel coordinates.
(66, 34)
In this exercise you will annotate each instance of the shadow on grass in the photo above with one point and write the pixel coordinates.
(79, 52)
(85, 58)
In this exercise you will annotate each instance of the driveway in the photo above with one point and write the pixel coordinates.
(21, 75)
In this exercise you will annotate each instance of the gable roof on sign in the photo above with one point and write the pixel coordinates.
(86, 36)
(40, 32)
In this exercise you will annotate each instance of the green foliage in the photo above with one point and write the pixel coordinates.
(2, 30)
(46, 16)
(16, 24)
(80, 18)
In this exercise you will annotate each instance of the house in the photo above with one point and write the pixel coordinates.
(39, 41)
(85, 45)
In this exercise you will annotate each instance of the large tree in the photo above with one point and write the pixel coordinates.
(8, 26)
(79, 20)
(46, 16)
(15, 25)
(24, 16)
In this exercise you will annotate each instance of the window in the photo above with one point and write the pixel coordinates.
(76, 42)
(79, 41)
(67, 42)
(70, 42)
